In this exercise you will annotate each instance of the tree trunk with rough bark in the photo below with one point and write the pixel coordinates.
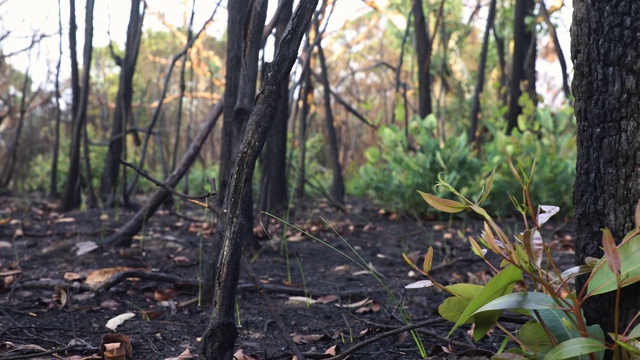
(220, 335)
(423, 52)
(606, 56)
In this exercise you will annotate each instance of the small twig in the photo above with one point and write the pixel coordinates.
(42, 353)
(284, 331)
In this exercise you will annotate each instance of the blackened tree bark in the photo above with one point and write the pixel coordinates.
(71, 198)
(523, 62)
(337, 183)
(53, 182)
(220, 335)
(73, 54)
(236, 15)
(108, 186)
(306, 97)
(475, 110)
(273, 187)
(251, 43)
(423, 52)
(605, 51)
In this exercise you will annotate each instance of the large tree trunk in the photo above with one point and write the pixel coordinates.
(523, 62)
(53, 182)
(273, 192)
(220, 335)
(71, 198)
(108, 186)
(236, 12)
(423, 51)
(604, 50)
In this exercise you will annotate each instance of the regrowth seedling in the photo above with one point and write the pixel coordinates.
(526, 284)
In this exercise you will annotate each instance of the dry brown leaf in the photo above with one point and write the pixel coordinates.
(164, 294)
(72, 276)
(341, 268)
(104, 217)
(306, 339)
(151, 314)
(5, 221)
(109, 304)
(96, 277)
(296, 238)
(18, 233)
(5, 245)
(358, 304)
(300, 299)
(333, 351)
(115, 347)
(240, 355)
(64, 220)
(183, 261)
(327, 299)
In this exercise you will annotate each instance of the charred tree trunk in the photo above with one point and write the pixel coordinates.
(108, 186)
(220, 335)
(423, 51)
(273, 189)
(475, 110)
(71, 198)
(306, 97)
(523, 63)
(607, 108)
(236, 12)
(53, 180)
(337, 184)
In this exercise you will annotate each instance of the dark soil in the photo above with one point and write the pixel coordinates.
(47, 306)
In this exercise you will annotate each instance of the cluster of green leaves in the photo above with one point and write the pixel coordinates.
(528, 282)
(392, 169)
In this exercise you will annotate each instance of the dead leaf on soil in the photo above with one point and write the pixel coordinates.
(72, 276)
(308, 339)
(5, 221)
(298, 237)
(300, 299)
(115, 347)
(84, 296)
(341, 268)
(109, 304)
(150, 314)
(104, 217)
(65, 220)
(373, 307)
(164, 294)
(183, 261)
(327, 299)
(113, 323)
(10, 273)
(18, 233)
(85, 247)
(96, 277)
(184, 355)
(358, 304)
(240, 355)
(5, 245)
(333, 351)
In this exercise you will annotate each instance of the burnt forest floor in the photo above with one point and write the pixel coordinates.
(53, 306)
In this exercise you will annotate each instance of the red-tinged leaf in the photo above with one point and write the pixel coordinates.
(534, 246)
(611, 252)
(428, 260)
(444, 205)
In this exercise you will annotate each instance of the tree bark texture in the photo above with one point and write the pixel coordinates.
(71, 199)
(236, 12)
(423, 51)
(135, 224)
(605, 49)
(523, 62)
(122, 112)
(273, 189)
(219, 337)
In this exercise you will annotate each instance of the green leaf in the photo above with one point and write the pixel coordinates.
(444, 205)
(499, 285)
(575, 347)
(520, 300)
(468, 291)
(604, 280)
(452, 307)
(634, 333)
(372, 154)
(533, 336)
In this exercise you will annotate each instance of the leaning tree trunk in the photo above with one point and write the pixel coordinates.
(607, 106)
(221, 333)
(108, 186)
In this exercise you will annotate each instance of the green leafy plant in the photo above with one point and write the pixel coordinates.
(528, 282)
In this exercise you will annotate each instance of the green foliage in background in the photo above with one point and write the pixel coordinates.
(393, 173)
